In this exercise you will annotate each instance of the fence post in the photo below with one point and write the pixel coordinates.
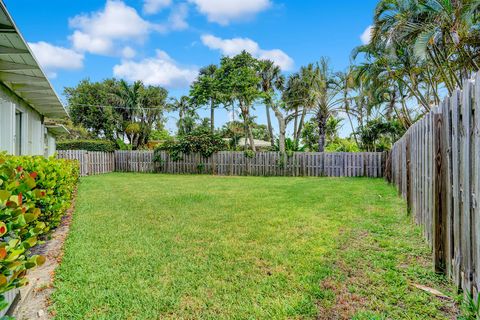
(86, 156)
(408, 172)
(440, 205)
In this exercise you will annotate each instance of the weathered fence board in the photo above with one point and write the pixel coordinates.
(91, 162)
(444, 196)
(261, 164)
(234, 163)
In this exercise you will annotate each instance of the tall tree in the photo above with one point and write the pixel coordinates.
(153, 103)
(324, 94)
(89, 105)
(272, 79)
(205, 91)
(239, 85)
(140, 108)
(345, 85)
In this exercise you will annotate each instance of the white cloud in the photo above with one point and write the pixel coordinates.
(234, 46)
(155, 6)
(86, 42)
(160, 70)
(53, 58)
(226, 11)
(366, 36)
(178, 18)
(95, 32)
(128, 52)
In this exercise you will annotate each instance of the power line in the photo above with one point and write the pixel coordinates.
(149, 108)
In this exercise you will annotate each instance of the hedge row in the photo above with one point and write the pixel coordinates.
(35, 192)
(88, 145)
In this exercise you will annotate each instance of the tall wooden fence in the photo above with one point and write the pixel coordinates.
(91, 162)
(315, 164)
(261, 164)
(436, 169)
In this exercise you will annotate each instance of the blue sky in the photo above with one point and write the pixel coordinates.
(164, 42)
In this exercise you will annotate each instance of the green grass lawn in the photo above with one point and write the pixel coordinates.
(202, 247)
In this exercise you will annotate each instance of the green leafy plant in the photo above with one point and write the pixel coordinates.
(34, 193)
(201, 167)
(199, 141)
(470, 308)
(89, 145)
(249, 154)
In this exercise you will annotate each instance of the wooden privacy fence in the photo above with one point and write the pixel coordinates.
(261, 164)
(436, 168)
(91, 162)
(315, 164)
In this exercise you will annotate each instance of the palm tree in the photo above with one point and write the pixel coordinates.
(345, 85)
(439, 33)
(272, 79)
(324, 94)
(187, 114)
(298, 98)
(127, 99)
(140, 107)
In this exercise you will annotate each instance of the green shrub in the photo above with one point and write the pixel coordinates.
(88, 145)
(342, 145)
(249, 154)
(34, 194)
(58, 177)
(199, 141)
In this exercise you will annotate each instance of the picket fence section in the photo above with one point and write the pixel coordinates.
(91, 162)
(435, 167)
(261, 164)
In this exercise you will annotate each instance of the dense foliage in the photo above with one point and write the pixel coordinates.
(115, 110)
(34, 194)
(419, 50)
(199, 141)
(88, 145)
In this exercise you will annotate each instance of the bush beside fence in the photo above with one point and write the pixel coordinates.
(87, 145)
(436, 169)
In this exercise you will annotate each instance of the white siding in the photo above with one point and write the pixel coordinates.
(51, 145)
(33, 138)
(35, 128)
(7, 126)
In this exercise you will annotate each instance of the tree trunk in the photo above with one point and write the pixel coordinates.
(212, 117)
(391, 105)
(282, 134)
(248, 128)
(269, 125)
(295, 125)
(250, 138)
(322, 124)
(300, 127)
(282, 128)
(353, 128)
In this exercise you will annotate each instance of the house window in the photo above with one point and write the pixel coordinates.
(18, 133)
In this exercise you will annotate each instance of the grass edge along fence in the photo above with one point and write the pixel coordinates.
(435, 167)
(315, 164)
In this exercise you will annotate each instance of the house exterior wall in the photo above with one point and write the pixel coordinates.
(51, 145)
(32, 127)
